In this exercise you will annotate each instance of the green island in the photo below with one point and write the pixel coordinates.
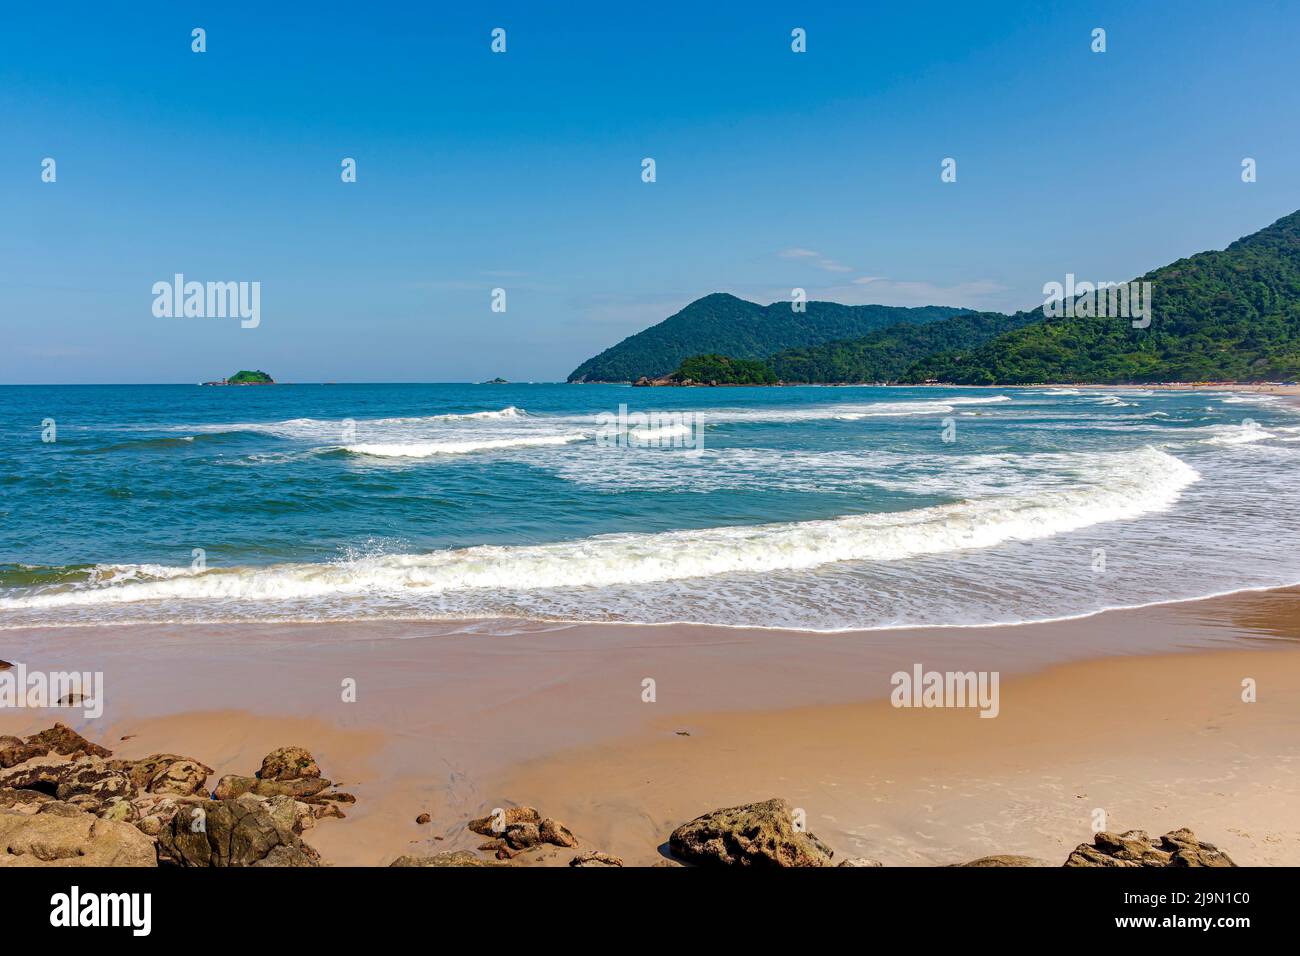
(245, 377)
(1230, 315)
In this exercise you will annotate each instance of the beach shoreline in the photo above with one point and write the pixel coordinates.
(1136, 712)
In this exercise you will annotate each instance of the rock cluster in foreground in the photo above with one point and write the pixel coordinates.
(65, 802)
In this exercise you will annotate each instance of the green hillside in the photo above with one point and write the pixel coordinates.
(1232, 315)
(725, 325)
(888, 355)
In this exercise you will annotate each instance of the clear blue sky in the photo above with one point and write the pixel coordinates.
(522, 170)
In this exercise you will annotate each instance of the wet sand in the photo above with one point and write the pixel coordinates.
(1134, 712)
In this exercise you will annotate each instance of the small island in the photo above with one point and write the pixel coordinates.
(495, 381)
(714, 369)
(245, 377)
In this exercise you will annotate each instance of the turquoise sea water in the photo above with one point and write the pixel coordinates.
(793, 507)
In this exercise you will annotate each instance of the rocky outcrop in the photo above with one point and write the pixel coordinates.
(1006, 860)
(245, 831)
(253, 821)
(75, 838)
(456, 858)
(288, 763)
(756, 834)
(1134, 849)
(487, 826)
(595, 858)
(517, 829)
(59, 739)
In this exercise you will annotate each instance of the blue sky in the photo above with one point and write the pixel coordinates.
(523, 170)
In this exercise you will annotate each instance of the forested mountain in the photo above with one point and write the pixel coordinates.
(889, 354)
(1232, 315)
(726, 325)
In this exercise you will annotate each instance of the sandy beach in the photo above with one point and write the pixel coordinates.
(1137, 713)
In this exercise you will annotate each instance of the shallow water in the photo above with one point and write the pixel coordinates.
(819, 508)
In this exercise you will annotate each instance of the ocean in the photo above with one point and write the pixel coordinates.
(820, 508)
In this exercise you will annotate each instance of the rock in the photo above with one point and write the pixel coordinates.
(1134, 848)
(238, 832)
(22, 801)
(556, 833)
(860, 861)
(120, 809)
(56, 839)
(64, 740)
(150, 826)
(232, 786)
(423, 818)
(457, 858)
(1189, 851)
(505, 853)
(595, 858)
(183, 778)
(94, 779)
(302, 855)
(323, 810)
(165, 773)
(520, 836)
(1003, 860)
(756, 834)
(483, 825)
(288, 763)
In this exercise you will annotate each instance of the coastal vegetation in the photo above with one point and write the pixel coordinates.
(1230, 316)
(726, 325)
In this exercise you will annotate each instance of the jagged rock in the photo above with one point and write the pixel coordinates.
(65, 741)
(1134, 848)
(595, 858)
(238, 832)
(457, 858)
(42, 776)
(1003, 860)
(556, 833)
(232, 786)
(56, 839)
(165, 773)
(301, 855)
(94, 779)
(756, 834)
(60, 809)
(23, 801)
(183, 777)
(288, 763)
(423, 818)
(323, 810)
(483, 825)
(860, 861)
(521, 836)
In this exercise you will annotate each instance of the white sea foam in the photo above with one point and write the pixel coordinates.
(430, 449)
(1236, 435)
(1118, 486)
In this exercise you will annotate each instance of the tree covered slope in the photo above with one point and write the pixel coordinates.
(1231, 315)
(726, 325)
